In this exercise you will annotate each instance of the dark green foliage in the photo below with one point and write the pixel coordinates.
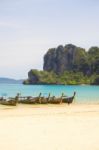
(93, 54)
(26, 82)
(94, 80)
(67, 78)
(41, 77)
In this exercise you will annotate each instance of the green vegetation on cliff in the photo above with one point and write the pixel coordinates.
(67, 78)
(41, 77)
(68, 65)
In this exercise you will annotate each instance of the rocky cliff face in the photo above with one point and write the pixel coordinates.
(68, 58)
(67, 65)
(33, 76)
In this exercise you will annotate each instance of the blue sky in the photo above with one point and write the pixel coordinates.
(28, 28)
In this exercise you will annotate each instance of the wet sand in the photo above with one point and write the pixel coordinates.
(49, 127)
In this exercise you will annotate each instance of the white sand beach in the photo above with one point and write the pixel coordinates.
(49, 127)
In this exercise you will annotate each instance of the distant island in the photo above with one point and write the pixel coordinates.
(10, 81)
(67, 65)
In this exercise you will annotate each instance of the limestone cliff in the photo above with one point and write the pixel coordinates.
(67, 65)
(67, 58)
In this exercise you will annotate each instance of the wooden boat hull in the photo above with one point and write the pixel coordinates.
(29, 99)
(43, 100)
(9, 103)
(68, 100)
(34, 100)
(1, 98)
(55, 100)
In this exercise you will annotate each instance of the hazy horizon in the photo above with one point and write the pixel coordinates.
(29, 28)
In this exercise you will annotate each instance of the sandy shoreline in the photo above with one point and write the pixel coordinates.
(49, 127)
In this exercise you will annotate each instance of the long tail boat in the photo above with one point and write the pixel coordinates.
(68, 99)
(44, 100)
(29, 99)
(37, 100)
(54, 100)
(1, 98)
(10, 101)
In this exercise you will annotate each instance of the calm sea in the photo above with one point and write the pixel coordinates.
(85, 93)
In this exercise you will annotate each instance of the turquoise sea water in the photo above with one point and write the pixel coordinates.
(85, 93)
